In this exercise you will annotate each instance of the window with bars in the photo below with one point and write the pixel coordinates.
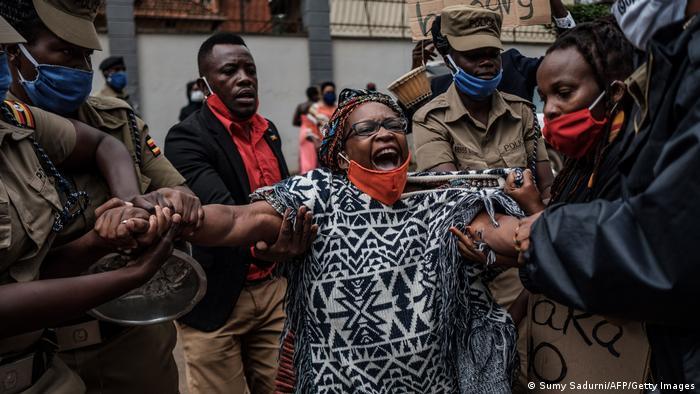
(369, 18)
(387, 18)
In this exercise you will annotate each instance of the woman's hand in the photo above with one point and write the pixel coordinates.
(126, 227)
(149, 201)
(521, 238)
(467, 248)
(148, 263)
(526, 195)
(111, 226)
(183, 202)
(157, 225)
(291, 242)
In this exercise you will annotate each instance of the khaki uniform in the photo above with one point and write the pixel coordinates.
(107, 91)
(445, 132)
(131, 360)
(28, 198)
(28, 201)
(135, 359)
(154, 171)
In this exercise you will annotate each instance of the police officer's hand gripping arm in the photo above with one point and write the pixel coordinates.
(47, 303)
(115, 164)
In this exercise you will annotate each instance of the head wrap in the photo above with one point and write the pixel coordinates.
(334, 131)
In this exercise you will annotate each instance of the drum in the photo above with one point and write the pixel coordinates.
(412, 88)
(172, 292)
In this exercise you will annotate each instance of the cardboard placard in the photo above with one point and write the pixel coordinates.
(567, 346)
(421, 13)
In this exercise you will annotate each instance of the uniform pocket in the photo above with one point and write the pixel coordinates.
(36, 204)
(513, 153)
(41, 183)
(468, 159)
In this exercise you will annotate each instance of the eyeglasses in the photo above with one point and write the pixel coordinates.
(369, 128)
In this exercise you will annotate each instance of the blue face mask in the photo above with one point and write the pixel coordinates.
(57, 89)
(476, 88)
(117, 80)
(329, 98)
(5, 76)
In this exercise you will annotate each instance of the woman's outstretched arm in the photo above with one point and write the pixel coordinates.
(239, 225)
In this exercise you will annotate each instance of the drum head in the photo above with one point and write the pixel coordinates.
(172, 292)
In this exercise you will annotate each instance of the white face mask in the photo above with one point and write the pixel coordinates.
(640, 19)
(197, 96)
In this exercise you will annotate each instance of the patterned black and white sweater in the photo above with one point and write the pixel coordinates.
(383, 301)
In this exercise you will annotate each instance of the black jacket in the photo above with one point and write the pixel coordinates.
(637, 256)
(204, 153)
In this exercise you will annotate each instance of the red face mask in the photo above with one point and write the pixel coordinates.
(383, 186)
(575, 133)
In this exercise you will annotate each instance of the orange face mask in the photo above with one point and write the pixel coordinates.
(383, 186)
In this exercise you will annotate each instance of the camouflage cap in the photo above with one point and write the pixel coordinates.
(8, 35)
(72, 20)
(468, 28)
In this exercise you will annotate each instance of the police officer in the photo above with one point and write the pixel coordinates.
(117, 359)
(473, 126)
(32, 143)
(16, 352)
(114, 71)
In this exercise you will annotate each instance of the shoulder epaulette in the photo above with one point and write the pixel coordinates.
(21, 113)
(438, 102)
(513, 98)
(107, 103)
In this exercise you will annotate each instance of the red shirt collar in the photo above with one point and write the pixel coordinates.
(256, 124)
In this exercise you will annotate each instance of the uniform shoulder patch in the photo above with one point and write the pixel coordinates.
(438, 102)
(514, 99)
(21, 113)
(153, 147)
(107, 103)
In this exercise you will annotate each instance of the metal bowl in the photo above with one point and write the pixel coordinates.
(172, 292)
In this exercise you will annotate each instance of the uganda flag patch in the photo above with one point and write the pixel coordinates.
(153, 147)
(21, 112)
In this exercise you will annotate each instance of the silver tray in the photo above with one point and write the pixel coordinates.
(174, 290)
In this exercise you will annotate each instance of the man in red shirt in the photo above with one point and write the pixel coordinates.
(226, 150)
